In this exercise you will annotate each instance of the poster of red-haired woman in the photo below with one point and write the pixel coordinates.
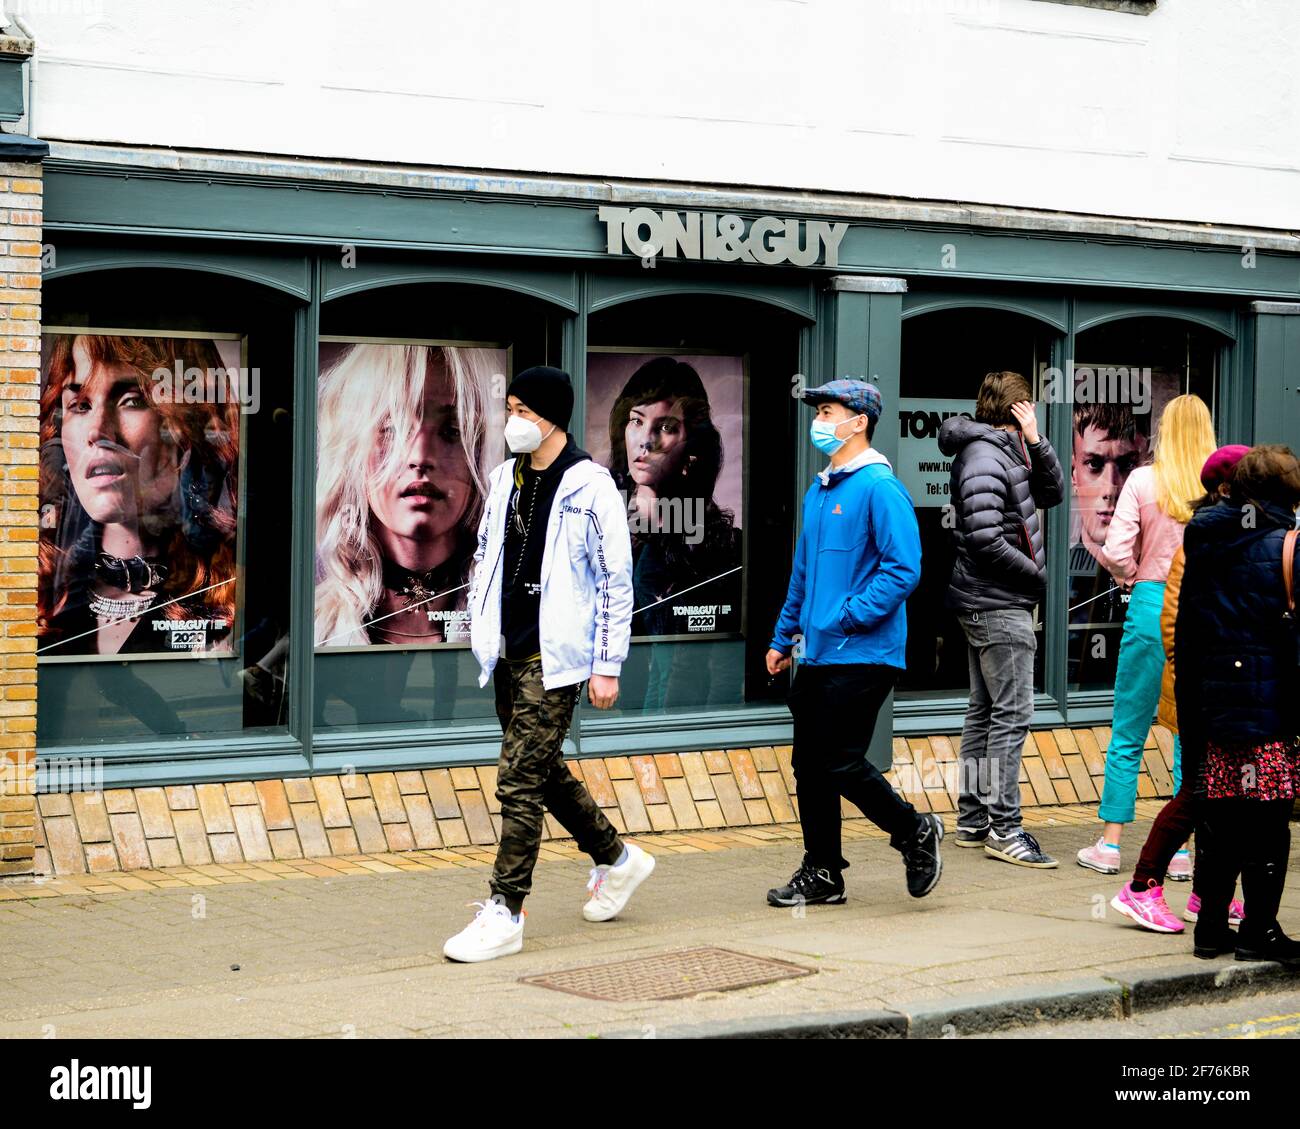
(140, 437)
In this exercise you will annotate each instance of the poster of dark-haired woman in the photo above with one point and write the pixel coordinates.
(670, 428)
(139, 493)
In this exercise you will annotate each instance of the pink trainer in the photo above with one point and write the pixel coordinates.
(1236, 910)
(1100, 857)
(1180, 868)
(1147, 908)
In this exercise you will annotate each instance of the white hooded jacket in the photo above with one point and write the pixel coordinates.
(586, 603)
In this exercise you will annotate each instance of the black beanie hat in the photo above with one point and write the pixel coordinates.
(546, 391)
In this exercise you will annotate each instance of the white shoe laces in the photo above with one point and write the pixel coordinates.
(487, 912)
(597, 880)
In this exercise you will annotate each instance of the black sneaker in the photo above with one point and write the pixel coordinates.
(972, 837)
(921, 857)
(810, 886)
(1020, 848)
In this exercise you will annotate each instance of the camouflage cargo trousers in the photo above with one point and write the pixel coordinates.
(532, 777)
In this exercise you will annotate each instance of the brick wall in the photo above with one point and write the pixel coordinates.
(382, 812)
(20, 322)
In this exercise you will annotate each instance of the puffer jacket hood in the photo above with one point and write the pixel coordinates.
(997, 485)
(956, 431)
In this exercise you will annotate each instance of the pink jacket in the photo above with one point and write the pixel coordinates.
(1142, 538)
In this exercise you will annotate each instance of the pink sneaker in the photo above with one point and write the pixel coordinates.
(1236, 910)
(1147, 908)
(1100, 857)
(1180, 868)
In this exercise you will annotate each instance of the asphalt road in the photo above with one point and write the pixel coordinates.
(1274, 1015)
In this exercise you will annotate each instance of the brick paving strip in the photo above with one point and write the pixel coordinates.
(212, 874)
(352, 946)
(382, 813)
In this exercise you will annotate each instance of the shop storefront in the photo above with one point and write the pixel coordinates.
(322, 330)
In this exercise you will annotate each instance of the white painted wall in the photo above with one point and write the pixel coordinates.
(1192, 113)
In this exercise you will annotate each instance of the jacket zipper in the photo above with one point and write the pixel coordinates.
(1024, 533)
(821, 507)
(488, 586)
(1024, 526)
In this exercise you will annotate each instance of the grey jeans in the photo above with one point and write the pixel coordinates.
(1000, 648)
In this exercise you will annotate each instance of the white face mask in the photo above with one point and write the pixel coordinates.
(523, 436)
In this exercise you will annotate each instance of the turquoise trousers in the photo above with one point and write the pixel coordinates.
(1137, 694)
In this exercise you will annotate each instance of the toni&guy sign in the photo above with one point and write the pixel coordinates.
(721, 238)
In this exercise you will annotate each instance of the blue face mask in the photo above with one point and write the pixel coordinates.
(822, 434)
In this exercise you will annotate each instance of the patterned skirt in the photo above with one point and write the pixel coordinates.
(1268, 771)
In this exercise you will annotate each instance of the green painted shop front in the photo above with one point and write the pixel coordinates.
(284, 262)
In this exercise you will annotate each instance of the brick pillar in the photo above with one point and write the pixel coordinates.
(20, 343)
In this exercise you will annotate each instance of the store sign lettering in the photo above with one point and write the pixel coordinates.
(924, 424)
(720, 238)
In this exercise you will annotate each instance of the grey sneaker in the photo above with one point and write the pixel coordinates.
(1020, 848)
(972, 836)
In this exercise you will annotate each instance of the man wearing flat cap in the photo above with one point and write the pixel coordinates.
(845, 618)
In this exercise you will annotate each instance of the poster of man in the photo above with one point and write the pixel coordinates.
(1111, 436)
(139, 493)
(407, 434)
(670, 429)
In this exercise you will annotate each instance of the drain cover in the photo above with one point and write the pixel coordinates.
(669, 976)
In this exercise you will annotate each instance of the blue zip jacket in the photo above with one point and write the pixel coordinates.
(857, 561)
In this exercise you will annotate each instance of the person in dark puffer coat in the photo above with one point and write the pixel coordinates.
(1002, 472)
(1237, 692)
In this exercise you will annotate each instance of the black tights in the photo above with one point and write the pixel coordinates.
(1250, 838)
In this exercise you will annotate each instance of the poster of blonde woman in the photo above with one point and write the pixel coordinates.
(407, 433)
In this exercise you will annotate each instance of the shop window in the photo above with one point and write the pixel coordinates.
(1124, 374)
(688, 404)
(945, 356)
(165, 475)
(410, 414)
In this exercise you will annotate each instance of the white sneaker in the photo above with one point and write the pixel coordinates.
(612, 886)
(491, 934)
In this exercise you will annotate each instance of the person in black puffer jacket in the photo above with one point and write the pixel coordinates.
(1237, 691)
(1002, 471)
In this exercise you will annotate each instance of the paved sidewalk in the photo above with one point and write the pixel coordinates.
(354, 948)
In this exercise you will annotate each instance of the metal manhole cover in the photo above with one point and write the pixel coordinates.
(669, 976)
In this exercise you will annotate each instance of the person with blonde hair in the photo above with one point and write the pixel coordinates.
(1142, 899)
(1144, 535)
(408, 436)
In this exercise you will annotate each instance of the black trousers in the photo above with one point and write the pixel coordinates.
(835, 709)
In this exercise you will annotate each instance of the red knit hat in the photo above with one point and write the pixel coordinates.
(1219, 466)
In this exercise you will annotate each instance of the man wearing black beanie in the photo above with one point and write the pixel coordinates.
(550, 607)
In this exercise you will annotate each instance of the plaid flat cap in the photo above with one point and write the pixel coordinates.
(855, 394)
